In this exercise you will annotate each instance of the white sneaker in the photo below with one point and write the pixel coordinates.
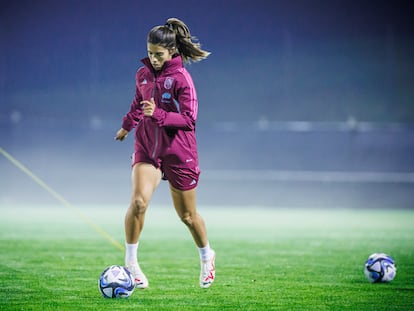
(208, 272)
(141, 280)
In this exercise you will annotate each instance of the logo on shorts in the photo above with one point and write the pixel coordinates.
(193, 182)
(168, 83)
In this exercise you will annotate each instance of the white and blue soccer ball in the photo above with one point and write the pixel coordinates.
(116, 282)
(380, 267)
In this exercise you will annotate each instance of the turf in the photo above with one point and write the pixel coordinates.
(267, 259)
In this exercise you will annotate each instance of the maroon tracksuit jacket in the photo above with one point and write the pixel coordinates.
(168, 137)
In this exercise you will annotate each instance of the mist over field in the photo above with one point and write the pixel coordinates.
(299, 104)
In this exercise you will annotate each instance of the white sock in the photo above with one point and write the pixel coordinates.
(131, 253)
(205, 252)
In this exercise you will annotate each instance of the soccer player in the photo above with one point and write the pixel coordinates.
(164, 113)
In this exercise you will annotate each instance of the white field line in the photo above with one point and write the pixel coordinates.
(77, 211)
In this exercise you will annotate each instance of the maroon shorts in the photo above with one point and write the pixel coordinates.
(181, 178)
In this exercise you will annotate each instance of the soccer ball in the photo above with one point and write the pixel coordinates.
(380, 267)
(116, 282)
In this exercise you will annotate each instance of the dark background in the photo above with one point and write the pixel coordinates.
(301, 103)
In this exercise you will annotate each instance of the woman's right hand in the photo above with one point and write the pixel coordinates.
(121, 134)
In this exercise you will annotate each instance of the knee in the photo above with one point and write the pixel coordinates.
(187, 219)
(138, 205)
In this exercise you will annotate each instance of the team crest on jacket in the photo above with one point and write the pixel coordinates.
(168, 82)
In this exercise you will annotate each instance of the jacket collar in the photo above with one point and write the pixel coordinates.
(170, 66)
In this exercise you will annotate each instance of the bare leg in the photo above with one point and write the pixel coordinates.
(145, 179)
(185, 206)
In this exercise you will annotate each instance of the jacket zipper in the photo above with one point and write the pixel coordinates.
(156, 128)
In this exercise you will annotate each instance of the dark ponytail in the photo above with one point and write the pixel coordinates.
(175, 34)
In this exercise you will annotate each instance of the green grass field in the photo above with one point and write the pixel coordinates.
(267, 259)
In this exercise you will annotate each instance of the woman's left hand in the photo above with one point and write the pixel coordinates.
(148, 107)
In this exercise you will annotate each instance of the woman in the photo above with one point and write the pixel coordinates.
(164, 113)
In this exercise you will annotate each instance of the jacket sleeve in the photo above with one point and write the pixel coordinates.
(135, 114)
(187, 106)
